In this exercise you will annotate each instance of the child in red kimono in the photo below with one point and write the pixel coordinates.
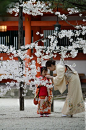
(44, 94)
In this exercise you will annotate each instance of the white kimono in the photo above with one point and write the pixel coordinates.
(59, 81)
(74, 102)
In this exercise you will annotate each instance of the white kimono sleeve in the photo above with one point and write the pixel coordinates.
(59, 80)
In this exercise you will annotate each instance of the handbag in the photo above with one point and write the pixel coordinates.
(35, 101)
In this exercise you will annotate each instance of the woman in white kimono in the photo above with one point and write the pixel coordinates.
(66, 75)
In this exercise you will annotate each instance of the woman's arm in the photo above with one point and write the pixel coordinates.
(49, 77)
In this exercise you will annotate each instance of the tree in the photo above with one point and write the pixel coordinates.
(80, 4)
(80, 29)
(51, 50)
(4, 5)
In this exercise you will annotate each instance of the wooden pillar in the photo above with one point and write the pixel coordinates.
(36, 37)
(27, 35)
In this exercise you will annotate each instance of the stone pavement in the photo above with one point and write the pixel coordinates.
(13, 119)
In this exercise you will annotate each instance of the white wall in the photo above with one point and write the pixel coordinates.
(80, 65)
(10, 65)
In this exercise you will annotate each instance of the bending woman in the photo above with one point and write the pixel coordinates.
(66, 75)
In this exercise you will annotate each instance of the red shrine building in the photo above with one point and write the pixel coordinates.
(45, 25)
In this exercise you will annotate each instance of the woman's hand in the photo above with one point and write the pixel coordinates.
(49, 77)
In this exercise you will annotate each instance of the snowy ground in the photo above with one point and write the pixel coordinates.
(13, 119)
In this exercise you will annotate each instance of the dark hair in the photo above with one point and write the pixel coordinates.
(43, 68)
(50, 62)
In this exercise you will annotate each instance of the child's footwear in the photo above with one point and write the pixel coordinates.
(41, 115)
(47, 115)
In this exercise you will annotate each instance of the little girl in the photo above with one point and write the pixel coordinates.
(44, 94)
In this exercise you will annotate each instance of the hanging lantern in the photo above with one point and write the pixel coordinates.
(57, 27)
(3, 28)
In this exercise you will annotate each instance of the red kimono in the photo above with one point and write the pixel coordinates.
(44, 95)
